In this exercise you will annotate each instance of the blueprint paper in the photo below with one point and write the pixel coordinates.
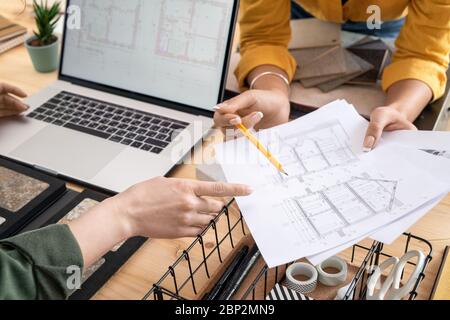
(334, 193)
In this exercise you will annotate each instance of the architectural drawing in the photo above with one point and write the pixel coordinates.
(339, 206)
(312, 152)
(327, 209)
(334, 195)
(101, 30)
(183, 35)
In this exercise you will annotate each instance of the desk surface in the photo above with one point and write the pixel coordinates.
(134, 279)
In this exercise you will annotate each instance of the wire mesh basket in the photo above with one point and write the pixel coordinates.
(199, 266)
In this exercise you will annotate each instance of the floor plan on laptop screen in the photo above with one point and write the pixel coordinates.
(170, 49)
(333, 194)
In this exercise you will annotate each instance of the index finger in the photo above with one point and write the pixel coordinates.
(7, 88)
(220, 189)
(243, 101)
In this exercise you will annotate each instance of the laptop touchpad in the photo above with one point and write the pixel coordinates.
(68, 152)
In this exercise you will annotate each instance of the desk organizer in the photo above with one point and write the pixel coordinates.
(190, 276)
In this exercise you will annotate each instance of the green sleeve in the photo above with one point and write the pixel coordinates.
(34, 265)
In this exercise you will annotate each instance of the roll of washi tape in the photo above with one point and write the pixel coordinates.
(301, 269)
(333, 279)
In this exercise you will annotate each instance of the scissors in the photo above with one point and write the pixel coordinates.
(391, 289)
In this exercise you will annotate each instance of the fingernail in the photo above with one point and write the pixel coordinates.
(259, 116)
(219, 106)
(235, 121)
(369, 144)
(249, 190)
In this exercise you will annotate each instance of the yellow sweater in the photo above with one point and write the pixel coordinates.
(423, 46)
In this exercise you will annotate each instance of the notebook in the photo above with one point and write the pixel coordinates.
(11, 34)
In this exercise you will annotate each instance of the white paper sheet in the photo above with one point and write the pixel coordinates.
(434, 142)
(334, 194)
(436, 165)
(394, 230)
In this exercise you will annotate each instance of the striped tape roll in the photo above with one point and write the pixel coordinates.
(280, 292)
(301, 269)
(333, 279)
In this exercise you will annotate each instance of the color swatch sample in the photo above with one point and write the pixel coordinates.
(17, 190)
(88, 272)
(83, 207)
(79, 210)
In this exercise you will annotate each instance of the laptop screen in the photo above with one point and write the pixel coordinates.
(169, 49)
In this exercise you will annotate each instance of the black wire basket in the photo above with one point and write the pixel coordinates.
(195, 270)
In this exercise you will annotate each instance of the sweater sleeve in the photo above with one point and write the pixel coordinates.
(265, 35)
(423, 46)
(35, 265)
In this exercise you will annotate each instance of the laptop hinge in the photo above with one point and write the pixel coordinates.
(45, 170)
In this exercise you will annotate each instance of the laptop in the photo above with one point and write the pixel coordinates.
(136, 88)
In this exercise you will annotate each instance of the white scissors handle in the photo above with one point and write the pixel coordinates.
(375, 279)
(391, 290)
(397, 292)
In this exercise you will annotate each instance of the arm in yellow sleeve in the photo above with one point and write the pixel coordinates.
(423, 46)
(265, 35)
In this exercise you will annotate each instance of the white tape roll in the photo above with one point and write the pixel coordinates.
(332, 279)
(301, 269)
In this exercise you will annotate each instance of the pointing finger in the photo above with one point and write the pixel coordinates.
(220, 189)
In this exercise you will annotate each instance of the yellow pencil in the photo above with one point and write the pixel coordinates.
(261, 148)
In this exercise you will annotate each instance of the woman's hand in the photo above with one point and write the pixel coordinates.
(385, 119)
(405, 100)
(173, 208)
(257, 109)
(265, 105)
(10, 105)
(158, 208)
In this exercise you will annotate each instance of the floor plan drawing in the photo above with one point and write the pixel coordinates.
(339, 206)
(311, 152)
(334, 192)
(102, 30)
(327, 208)
(183, 35)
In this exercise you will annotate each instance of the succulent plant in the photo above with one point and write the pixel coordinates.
(46, 18)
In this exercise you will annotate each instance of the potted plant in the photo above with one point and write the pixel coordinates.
(43, 46)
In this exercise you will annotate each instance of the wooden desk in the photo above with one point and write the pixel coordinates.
(148, 264)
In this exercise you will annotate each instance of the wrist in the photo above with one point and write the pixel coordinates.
(114, 212)
(400, 108)
(268, 77)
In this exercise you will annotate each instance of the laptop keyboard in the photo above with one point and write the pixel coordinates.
(141, 130)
